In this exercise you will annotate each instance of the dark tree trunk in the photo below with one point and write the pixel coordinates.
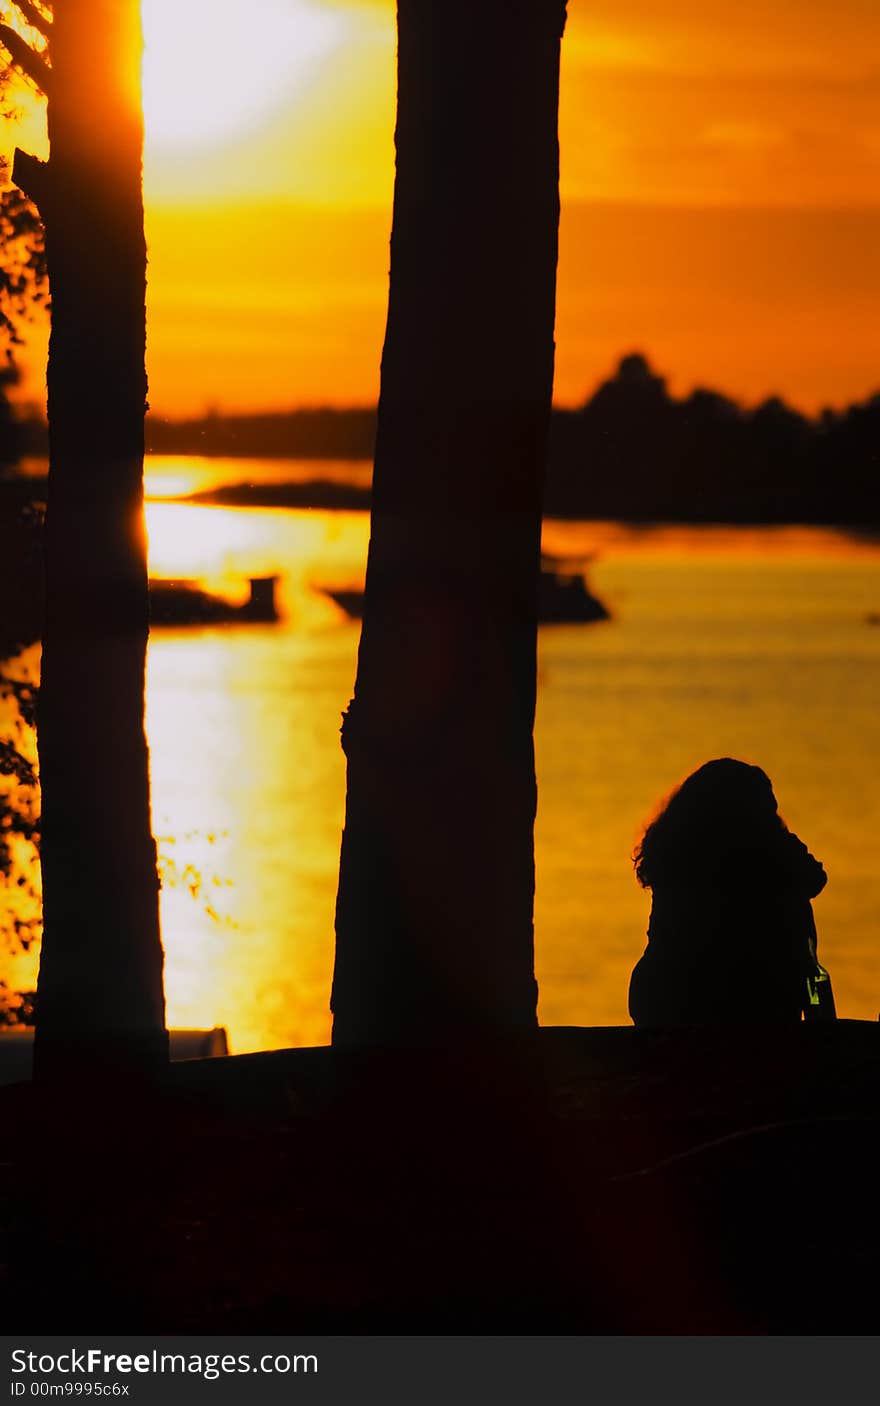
(100, 995)
(434, 912)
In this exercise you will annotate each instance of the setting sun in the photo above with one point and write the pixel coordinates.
(208, 75)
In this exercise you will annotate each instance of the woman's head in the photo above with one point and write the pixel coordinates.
(724, 806)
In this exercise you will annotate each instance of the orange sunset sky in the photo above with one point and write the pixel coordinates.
(720, 181)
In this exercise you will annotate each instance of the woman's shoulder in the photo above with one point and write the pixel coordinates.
(742, 868)
(780, 864)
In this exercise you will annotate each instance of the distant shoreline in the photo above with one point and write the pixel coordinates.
(328, 495)
(315, 493)
(320, 494)
(631, 453)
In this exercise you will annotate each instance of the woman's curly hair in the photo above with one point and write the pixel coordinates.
(724, 807)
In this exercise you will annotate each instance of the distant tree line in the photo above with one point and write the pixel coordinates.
(635, 452)
(299, 434)
(631, 452)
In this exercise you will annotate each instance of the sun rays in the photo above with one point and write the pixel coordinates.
(213, 72)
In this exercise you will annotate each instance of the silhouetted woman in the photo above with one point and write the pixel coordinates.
(731, 937)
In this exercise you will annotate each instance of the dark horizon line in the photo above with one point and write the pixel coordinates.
(29, 413)
(631, 451)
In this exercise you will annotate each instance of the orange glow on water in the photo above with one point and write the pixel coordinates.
(743, 642)
(196, 541)
(722, 641)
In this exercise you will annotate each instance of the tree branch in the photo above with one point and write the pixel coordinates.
(23, 57)
(34, 17)
(32, 176)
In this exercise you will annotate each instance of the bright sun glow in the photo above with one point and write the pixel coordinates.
(216, 69)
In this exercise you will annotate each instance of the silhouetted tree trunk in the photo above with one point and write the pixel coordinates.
(434, 911)
(100, 996)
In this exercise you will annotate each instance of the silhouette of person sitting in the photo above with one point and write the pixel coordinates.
(731, 938)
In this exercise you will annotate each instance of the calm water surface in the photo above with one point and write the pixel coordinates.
(751, 643)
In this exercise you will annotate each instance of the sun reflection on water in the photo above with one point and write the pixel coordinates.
(247, 797)
(745, 644)
(751, 643)
(247, 773)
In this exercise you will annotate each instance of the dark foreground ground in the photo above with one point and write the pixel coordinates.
(576, 1181)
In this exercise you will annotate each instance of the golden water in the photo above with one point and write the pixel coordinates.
(751, 643)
